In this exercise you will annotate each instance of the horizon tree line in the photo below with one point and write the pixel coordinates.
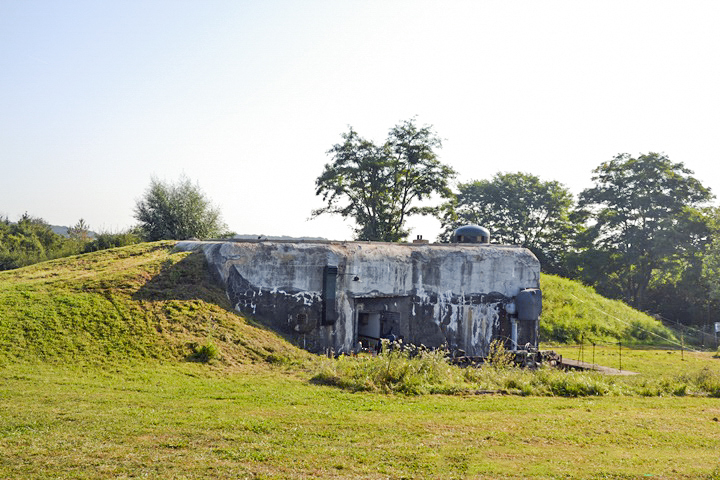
(644, 232)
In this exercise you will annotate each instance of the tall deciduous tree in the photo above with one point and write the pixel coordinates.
(177, 211)
(380, 186)
(519, 209)
(711, 257)
(641, 209)
(677, 289)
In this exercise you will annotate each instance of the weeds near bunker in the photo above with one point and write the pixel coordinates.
(395, 370)
(498, 356)
(427, 372)
(709, 381)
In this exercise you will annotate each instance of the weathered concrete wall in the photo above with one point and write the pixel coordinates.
(431, 294)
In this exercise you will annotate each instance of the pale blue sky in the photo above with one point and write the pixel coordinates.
(245, 97)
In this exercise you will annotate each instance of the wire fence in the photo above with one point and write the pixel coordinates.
(688, 335)
(613, 353)
(705, 337)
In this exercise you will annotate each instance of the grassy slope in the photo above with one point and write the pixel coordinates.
(137, 302)
(573, 312)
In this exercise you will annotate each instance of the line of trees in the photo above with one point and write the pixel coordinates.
(31, 240)
(644, 232)
(166, 211)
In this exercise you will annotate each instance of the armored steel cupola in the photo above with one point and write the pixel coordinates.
(471, 234)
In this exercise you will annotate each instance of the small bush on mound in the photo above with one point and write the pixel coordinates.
(205, 353)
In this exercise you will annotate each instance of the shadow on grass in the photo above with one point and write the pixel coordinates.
(187, 279)
(190, 279)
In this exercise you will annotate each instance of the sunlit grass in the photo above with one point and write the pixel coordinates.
(573, 312)
(137, 302)
(192, 420)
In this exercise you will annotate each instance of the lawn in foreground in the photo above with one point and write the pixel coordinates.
(191, 420)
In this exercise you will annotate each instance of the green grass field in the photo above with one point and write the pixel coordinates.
(193, 421)
(100, 378)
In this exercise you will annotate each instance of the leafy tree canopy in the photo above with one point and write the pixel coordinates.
(645, 212)
(519, 209)
(177, 211)
(29, 241)
(711, 258)
(380, 186)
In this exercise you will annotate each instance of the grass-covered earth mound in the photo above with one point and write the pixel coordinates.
(573, 312)
(132, 303)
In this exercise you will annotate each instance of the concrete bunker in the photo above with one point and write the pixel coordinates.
(341, 295)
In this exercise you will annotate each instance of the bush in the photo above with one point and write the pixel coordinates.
(709, 381)
(205, 353)
(498, 356)
(104, 241)
(177, 211)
